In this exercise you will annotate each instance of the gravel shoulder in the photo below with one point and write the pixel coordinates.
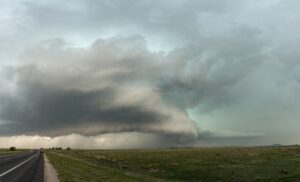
(49, 171)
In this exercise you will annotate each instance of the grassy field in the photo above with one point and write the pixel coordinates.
(203, 164)
(4, 152)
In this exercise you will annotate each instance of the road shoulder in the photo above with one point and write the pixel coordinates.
(49, 171)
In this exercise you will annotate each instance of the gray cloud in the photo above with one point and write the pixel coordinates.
(152, 67)
(109, 87)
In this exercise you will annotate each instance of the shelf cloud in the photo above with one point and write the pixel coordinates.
(159, 74)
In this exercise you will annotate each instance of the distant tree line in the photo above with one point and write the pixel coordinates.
(12, 148)
(53, 148)
(59, 148)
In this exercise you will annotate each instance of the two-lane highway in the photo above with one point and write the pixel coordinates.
(25, 167)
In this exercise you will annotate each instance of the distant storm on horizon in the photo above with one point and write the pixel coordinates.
(143, 74)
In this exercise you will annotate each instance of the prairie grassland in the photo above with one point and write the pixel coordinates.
(4, 152)
(201, 164)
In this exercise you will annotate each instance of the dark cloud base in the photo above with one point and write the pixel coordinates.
(210, 61)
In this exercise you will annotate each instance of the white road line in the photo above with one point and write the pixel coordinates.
(6, 172)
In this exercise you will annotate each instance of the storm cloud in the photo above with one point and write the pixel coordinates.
(169, 73)
(108, 87)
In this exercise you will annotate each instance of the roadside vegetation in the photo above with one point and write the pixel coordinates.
(11, 151)
(203, 164)
(79, 170)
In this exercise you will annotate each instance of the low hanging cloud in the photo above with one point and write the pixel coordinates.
(114, 86)
(125, 140)
(109, 87)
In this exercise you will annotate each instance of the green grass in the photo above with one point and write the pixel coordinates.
(4, 152)
(77, 170)
(203, 164)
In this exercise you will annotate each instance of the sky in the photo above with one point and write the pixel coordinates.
(149, 74)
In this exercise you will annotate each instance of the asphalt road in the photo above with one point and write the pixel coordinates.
(25, 167)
